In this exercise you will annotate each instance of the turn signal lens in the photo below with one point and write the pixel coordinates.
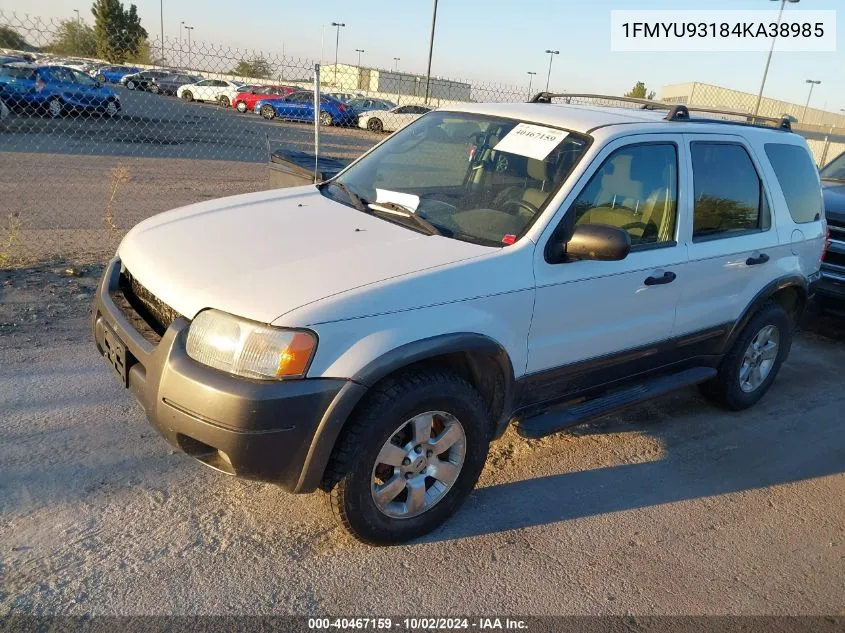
(249, 349)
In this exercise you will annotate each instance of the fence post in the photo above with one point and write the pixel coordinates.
(316, 122)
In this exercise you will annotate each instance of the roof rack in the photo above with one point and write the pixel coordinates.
(675, 112)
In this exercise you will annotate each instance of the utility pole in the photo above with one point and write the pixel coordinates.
(430, 51)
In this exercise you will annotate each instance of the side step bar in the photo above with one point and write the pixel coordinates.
(554, 421)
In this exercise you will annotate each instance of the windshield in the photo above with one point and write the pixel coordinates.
(835, 169)
(477, 178)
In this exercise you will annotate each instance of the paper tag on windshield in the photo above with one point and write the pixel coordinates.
(405, 199)
(533, 141)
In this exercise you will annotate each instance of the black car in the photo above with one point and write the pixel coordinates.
(145, 80)
(169, 83)
(832, 283)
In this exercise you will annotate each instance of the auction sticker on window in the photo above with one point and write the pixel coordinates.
(533, 141)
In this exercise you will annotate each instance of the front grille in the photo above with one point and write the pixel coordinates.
(154, 312)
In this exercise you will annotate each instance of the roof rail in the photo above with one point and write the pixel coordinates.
(675, 112)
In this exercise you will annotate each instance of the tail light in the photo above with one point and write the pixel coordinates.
(341, 107)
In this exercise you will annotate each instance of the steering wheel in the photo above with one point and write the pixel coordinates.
(521, 204)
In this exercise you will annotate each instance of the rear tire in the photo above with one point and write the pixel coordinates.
(223, 100)
(187, 95)
(55, 108)
(101, 78)
(240, 106)
(375, 125)
(268, 112)
(130, 85)
(112, 109)
(415, 414)
(752, 364)
(326, 119)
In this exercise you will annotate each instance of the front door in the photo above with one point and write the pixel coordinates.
(598, 313)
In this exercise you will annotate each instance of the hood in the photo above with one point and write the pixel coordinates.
(263, 254)
(834, 200)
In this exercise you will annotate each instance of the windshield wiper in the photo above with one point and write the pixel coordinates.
(356, 200)
(394, 208)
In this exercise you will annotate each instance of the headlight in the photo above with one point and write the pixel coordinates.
(249, 349)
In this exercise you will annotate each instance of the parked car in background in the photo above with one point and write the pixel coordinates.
(299, 106)
(245, 100)
(9, 59)
(344, 97)
(219, 90)
(391, 120)
(168, 84)
(832, 284)
(143, 80)
(365, 104)
(113, 74)
(54, 90)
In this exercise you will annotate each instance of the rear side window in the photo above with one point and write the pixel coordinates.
(729, 196)
(798, 180)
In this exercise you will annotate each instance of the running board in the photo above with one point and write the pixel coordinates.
(552, 422)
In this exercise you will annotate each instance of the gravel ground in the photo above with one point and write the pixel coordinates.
(675, 507)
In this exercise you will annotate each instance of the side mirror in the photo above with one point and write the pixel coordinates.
(600, 242)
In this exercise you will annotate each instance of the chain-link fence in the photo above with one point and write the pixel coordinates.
(100, 130)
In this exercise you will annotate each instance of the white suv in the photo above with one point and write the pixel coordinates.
(538, 264)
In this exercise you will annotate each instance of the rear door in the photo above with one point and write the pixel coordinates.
(732, 240)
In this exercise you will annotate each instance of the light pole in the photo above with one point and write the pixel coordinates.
(769, 58)
(181, 26)
(813, 83)
(430, 50)
(189, 29)
(396, 61)
(551, 57)
(161, 11)
(336, 43)
(530, 79)
(78, 19)
(359, 51)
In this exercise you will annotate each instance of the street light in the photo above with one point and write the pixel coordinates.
(396, 61)
(813, 83)
(161, 10)
(336, 43)
(181, 26)
(189, 29)
(78, 19)
(771, 49)
(430, 50)
(359, 51)
(551, 57)
(530, 79)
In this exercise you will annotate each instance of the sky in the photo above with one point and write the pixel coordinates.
(495, 41)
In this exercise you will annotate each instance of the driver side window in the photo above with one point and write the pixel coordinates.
(635, 189)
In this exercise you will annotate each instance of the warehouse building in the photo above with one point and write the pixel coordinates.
(344, 77)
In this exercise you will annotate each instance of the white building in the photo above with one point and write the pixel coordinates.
(345, 77)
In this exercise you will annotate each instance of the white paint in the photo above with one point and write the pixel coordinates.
(408, 200)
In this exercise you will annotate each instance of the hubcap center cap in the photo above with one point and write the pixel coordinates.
(418, 463)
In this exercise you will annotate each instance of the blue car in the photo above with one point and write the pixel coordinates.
(113, 74)
(299, 106)
(55, 90)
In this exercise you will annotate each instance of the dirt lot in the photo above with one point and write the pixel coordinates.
(671, 508)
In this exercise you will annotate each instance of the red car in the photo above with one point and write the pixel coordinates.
(244, 101)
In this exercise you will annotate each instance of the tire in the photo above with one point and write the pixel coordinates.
(112, 109)
(240, 106)
(375, 125)
(130, 85)
(387, 416)
(223, 100)
(187, 95)
(326, 119)
(153, 88)
(268, 112)
(728, 388)
(101, 78)
(55, 107)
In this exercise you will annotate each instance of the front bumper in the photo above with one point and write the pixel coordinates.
(250, 428)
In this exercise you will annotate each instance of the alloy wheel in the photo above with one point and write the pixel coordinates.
(759, 359)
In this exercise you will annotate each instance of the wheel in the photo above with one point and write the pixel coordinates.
(223, 100)
(409, 458)
(375, 125)
(101, 78)
(112, 109)
(55, 107)
(750, 367)
(154, 89)
(240, 106)
(326, 119)
(187, 95)
(130, 85)
(268, 112)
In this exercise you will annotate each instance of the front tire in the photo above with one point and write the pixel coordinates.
(223, 100)
(268, 112)
(187, 95)
(752, 364)
(240, 106)
(375, 125)
(409, 458)
(326, 119)
(112, 109)
(130, 85)
(55, 108)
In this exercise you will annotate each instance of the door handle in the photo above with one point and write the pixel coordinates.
(667, 278)
(761, 258)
